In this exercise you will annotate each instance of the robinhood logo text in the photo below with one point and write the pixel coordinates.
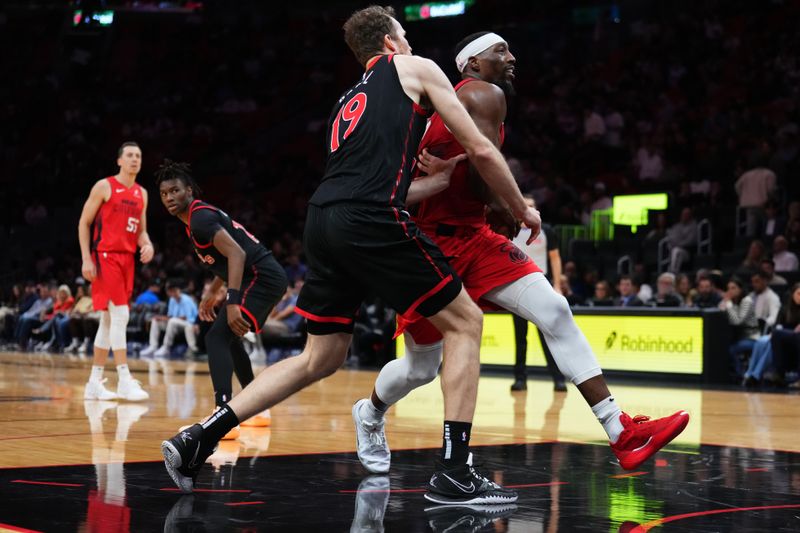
(648, 343)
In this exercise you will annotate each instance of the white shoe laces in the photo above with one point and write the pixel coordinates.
(374, 431)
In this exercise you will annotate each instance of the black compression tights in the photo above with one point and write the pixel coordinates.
(226, 355)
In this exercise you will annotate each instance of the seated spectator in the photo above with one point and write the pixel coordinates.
(566, 291)
(741, 315)
(785, 339)
(706, 297)
(9, 309)
(773, 280)
(602, 294)
(60, 313)
(181, 316)
(774, 223)
(786, 335)
(628, 289)
(752, 260)
(283, 319)
(295, 269)
(785, 261)
(34, 316)
(680, 238)
(83, 321)
(683, 286)
(151, 295)
(766, 304)
(665, 295)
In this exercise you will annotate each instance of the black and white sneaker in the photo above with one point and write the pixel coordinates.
(183, 457)
(466, 517)
(464, 485)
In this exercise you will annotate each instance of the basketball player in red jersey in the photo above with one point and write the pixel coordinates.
(117, 207)
(495, 273)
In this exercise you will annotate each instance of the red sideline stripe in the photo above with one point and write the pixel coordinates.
(527, 485)
(173, 489)
(52, 483)
(439, 286)
(667, 519)
(631, 474)
(756, 469)
(317, 318)
(660, 463)
(9, 527)
(234, 504)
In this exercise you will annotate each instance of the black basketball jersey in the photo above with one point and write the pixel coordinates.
(373, 136)
(205, 221)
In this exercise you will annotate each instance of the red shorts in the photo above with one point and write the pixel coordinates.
(114, 281)
(483, 259)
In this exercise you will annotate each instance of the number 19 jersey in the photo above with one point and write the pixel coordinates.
(373, 136)
(116, 226)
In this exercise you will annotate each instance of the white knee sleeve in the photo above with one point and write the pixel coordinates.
(399, 377)
(119, 326)
(101, 339)
(532, 298)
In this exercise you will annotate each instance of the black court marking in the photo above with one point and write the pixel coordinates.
(28, 399)
(562, 486)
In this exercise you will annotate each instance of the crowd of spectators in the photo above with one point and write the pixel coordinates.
(604, 106)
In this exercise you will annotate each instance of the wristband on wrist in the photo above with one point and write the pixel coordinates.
(234, 297)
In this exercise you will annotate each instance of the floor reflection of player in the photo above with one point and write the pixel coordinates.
(107, 505)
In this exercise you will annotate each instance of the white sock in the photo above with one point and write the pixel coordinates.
(97, 373)
(123, 372)
(608, 412)
(369, 413)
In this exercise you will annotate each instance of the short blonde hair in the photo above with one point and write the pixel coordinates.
(65, 288)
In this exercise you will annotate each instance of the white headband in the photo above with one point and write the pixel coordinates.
(476, 47)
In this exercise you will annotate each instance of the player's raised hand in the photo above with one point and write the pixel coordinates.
(206, 309)
(146, 253)
(236, 321)
(532, 219)
(88, 270)
(430, 164)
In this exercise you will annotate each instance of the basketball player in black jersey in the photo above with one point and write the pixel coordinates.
(256, 282)
(359, 240)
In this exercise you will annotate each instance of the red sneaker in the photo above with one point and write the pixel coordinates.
(643, 437)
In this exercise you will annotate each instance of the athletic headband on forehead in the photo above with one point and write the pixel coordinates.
(484, 42)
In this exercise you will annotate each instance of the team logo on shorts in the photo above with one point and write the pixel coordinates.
(207, 259)
(515, 254)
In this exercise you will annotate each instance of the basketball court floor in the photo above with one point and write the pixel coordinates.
(70, 465)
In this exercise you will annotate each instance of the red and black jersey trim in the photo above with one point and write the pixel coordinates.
(196, 206)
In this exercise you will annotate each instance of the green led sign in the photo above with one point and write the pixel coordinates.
(437, 9)
(631, 210)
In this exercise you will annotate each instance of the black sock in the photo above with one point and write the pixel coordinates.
(222, 397)
(455, 443)
(221, 422)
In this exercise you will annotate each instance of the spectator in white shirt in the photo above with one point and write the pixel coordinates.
(785, 261)
(766, 303)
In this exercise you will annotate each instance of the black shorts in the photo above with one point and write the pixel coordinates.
(263, 285)
(355, 250)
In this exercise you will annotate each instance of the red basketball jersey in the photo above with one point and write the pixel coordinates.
(458, 204)
(116, 226)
